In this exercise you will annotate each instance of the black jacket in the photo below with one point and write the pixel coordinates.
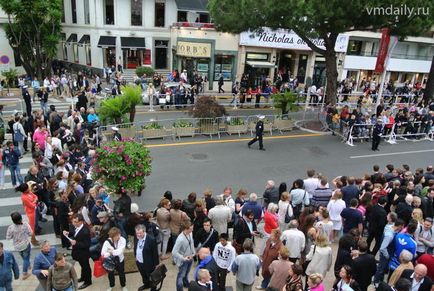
(80, 250)
(194, 286)
(426, 284)
(378, 219)
(271, 195)
(404, 211)
(150, 253)
(202, 236)
(259, 128)
(364, 267)
(242, 231)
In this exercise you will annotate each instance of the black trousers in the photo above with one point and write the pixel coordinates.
(86, 272)
(121, 271)
(375, 142)
(221, 279)
(145, 275)
(257, 138)
(377, 237)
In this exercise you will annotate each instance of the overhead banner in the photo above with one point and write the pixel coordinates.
(383, 50)
(286, 39)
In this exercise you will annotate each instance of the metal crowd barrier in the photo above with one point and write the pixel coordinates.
(190, 127)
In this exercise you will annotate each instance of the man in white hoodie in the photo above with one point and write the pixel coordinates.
(224, 254)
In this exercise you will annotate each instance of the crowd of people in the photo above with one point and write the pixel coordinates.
(285, 239)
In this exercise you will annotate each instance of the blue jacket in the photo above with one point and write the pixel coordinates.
(9, 265)
(43, 262)
(11, 158)
(254, 206)
(403, 241)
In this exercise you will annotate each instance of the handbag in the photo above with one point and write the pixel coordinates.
(98, 269)
(157, 276)
(287, 217)
(306, 262)
(110, 262)
(18, 136)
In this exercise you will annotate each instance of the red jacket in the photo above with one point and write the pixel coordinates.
(271, 221)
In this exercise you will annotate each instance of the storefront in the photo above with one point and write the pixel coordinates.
(134, 52)
(108, 45)
(283, 53)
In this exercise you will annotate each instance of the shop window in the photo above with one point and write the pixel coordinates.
(109, 12)
(182, 16)
(160, 13)
(75, 52)
(223, 67)
(64, 47)
(161, 48)
(86, 12)
(354, 47)
(136, 12)
(87, 49)
(74, 11)
(257, 57)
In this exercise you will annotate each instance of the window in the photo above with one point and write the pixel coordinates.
(160, 11)
(64, 47)
(182, 16)
(161, 57)
(109, 12)
(203, 17)
(223, 67)
(75, 52)
(256, 57)
(63, 10)
(86, 12)
(354, 47)
(136, 12)
(88, 54)
(74, 11)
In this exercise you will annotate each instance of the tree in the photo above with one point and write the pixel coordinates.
(322, 19)
(114, 110)
(133, 96)
(33, 32)
(285, 102)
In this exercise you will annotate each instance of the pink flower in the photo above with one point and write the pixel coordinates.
(123, 178)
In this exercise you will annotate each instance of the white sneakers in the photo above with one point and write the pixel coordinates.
(109, 289)
(124, 289)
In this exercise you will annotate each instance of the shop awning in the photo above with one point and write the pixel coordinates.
(107, 41)
(257, 64)
(192, 5)
(85, 39)
(72, 38)
(133, 42)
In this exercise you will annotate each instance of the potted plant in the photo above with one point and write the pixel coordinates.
(268, 125)
(113, 111)
(286, 102)
(153, 130)
(183, 127)
(122, 166)
(236, 125)
(208, 111)
(282, 123)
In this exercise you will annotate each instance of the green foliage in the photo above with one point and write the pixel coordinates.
(132, 95)
(10, 76)
(144, 70)
(182, 123)
(236, 121)
(122, 166)
(207, 107)
(153, 125)
(321, 19)
(286, 102)
(114, 110)
(33, 30)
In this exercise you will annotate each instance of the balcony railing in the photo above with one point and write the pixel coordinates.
(394, 56)
(197, 25)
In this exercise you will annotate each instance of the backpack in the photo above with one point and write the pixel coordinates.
(18, 136)
(153, 230)
(297, 209)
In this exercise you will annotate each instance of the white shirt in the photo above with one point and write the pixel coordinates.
(310, 184)
(78, 229)
(229, 202)
(57, 143)
(414, 284)
(139, 250)
(117, 251)
(335, 208)
(224, 256)
(283, 207)
(295, 242)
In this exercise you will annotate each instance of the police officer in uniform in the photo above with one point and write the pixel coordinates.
(376, 134)
(259, 132)
(116, 135)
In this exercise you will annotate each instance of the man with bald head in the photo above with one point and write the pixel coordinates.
(206, 261)
(419, 280)
(271, 194)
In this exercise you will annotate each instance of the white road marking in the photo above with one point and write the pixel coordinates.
(391, 154)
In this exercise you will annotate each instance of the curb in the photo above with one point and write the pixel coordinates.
(310, 130)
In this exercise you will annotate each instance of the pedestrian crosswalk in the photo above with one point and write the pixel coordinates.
(11, 201)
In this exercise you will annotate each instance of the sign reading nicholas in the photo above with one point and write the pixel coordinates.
(287, 40)
(193, 49)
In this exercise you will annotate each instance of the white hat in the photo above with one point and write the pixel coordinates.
(115, 128)
(134, 208)
(261, 117)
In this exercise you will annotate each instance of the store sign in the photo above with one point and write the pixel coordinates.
(193, 49)
(4, 63)
(285, 39)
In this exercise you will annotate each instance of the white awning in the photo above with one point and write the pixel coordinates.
(257, 64)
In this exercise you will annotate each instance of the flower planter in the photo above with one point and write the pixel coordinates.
(267, 127)
(236, 129)
(184, 131)
(283, 124)
(154, 133)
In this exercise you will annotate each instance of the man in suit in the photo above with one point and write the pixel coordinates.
(364, 266)
(377, 222)
(259, 128)
(80, 242)
(419, 280)
(202, 283)
(146, 254)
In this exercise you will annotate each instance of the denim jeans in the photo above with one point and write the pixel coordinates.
(381, 268)
(25, 254)
(2, 176)
(7, 286)
(120, 223)
(162, 248)
(265, 282)
(15, 174)
(67, 289)
(182, 277)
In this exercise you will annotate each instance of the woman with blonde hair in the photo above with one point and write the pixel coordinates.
(279, 269)
(284, 208)
(417, 215)
(271, 253)
(163, 221)
(314, 282)
(320, 256)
